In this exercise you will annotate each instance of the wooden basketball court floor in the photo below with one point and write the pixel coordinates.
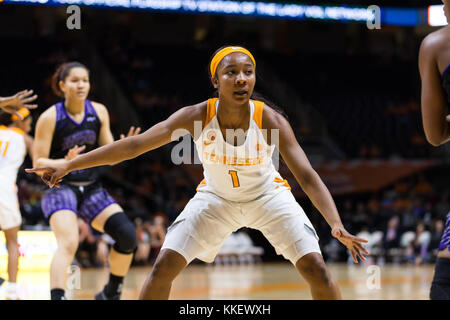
(265, 281)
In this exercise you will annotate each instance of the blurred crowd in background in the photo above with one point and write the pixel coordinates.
(363, 89)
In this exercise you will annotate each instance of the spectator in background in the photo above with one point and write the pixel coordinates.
(417, 251)
(391, 238)
(143, 247)
(157, 230)
(104, 244)
(436, 234)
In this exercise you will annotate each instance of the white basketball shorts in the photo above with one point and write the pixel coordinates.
(207, 220)
(10, 216)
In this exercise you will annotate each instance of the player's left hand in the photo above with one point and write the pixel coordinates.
(351, 242)
(73, 152)
(132, 132)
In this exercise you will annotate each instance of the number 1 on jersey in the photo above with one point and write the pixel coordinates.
(6, 147)
(234, 178)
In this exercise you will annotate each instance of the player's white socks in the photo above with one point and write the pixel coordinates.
(11, 291)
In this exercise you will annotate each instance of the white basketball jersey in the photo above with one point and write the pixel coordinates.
(12, 154)
(237, 173)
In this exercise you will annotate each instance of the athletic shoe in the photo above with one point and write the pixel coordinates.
(11, 295)
(102, 296)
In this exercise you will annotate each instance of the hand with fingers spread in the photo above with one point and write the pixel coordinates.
(73, 152)
(51, 175)
(132, 132)
(351, 242)
(16, 102)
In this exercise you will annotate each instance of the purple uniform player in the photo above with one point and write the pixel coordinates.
(80, 191)
(445, 242)
(64, 130)
(434, 65)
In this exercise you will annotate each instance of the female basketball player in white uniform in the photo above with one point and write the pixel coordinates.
(434, 66)
(241, 186)
(14, 144)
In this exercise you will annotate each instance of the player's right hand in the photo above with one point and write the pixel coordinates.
(353, 244)
(51, 176)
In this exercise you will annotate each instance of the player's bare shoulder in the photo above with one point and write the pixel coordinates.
(191, 116)
(196, 112)
(48, 117)
(271, 119)
(101, 109)
(435, 41)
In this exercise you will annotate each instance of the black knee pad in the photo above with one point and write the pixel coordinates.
(440, 287)
(122, 230)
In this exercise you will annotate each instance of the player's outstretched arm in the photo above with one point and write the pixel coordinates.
(124, 149)
(310, 182)
(433, 103)
(19, 100)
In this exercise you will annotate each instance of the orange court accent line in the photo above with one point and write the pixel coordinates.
(287, 286)
(202, 292)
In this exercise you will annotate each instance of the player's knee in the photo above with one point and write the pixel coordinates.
(11, 241)
(315, 271)
(68, 247)
(167, 266)
(163, 271)
(123, 232)
(321, 276)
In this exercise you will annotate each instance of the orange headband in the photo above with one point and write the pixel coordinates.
(224, 52)
(23, 111)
